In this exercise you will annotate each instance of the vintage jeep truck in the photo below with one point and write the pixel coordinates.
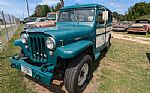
(67, 50)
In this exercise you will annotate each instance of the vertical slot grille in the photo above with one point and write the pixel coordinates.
(38, 49)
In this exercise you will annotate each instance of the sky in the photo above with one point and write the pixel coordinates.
(18, 7)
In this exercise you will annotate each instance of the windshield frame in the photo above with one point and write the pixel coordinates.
(51, 16)
(74, 10)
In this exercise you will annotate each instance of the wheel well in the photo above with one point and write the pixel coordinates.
(62, 64)
(89, 51)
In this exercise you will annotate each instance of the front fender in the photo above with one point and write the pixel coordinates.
(19, 43)
(73, 49)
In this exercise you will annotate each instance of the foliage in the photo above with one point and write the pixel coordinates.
(135, 12)
(42, 10)
(145, 16)
(117, 16)
(57, 7)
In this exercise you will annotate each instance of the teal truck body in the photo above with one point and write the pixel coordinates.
(80, 34)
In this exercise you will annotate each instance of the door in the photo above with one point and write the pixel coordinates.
(100, 30)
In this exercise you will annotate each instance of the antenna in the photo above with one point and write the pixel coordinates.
(62, 3)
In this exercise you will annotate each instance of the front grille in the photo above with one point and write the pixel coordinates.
(37, 49)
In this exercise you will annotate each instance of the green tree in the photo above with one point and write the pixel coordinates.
(42, 10)
(134, 12)
(57, 7)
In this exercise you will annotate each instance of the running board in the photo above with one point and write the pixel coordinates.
(97, 55)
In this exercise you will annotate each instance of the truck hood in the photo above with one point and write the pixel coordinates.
(30, 23)
(65, 32)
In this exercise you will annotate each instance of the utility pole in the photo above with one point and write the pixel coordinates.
(62, 3)
(27, 7)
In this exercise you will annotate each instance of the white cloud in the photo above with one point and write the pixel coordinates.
(116, 4)
(49, 2)
(118, 7)
(10, 8)
(111, 3)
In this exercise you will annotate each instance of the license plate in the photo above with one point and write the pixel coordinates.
(26, 70)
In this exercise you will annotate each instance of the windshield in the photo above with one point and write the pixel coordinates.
(31, 19)
(142, 21)
(51, 16)
(40, 19)
(77, 15)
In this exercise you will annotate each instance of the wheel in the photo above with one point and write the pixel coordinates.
(146, 33)
(21, 54)
(128, 32)
(78, 74)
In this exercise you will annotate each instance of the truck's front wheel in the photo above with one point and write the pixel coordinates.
(78, 74)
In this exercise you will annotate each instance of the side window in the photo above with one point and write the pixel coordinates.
(100, 21)
(100, 18)
(109, 17)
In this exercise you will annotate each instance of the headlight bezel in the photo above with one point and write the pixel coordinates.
(49, 41)
(24, 38)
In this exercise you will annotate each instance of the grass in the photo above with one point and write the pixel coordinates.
(3, 31)
(124, 69)
(11, 79)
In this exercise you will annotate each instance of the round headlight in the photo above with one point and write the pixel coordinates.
(24, 38)
(50, 43)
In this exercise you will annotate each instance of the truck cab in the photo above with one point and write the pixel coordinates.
(67, 50)
(52, 16)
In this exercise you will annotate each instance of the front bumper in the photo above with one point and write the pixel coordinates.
(140, 31)
(45, 76)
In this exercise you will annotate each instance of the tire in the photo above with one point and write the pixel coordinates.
(73, 81)
(21, 54)
(128, 32)
(147, 32)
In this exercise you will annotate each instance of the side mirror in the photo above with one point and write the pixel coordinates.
(105, 15)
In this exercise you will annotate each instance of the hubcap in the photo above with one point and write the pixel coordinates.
(83, 74)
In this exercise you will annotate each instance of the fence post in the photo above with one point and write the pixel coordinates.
(11, 24)
(5, 26)
(0, 46)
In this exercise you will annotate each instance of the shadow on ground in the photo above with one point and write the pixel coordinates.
(137, 33)
(148, 56)
(97, 62)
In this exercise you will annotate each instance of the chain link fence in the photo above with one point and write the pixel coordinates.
(8, 26)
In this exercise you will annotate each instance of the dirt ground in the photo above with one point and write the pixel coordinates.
(57, 86)
(142, 40)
